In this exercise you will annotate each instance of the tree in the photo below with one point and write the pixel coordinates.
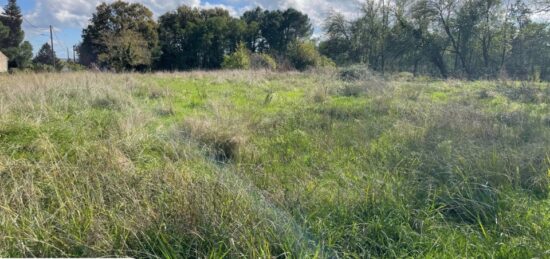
(304, 55)
(275, 30)
(46, 56)
(178, 42)
(126, 51)
(4, 32)
(240, 59)
(12, 19)
(338, 45)
(471, 38)
(193, 38)
(253, 35)
(24, 55)
(120, 36)
(11, 36)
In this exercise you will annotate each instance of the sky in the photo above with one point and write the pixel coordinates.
(69, 17)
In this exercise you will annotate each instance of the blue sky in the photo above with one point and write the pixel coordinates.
(68, 17)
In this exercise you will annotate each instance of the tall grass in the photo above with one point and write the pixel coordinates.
(260, 164)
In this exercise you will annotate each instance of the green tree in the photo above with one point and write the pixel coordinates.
(11, 36)
(24, 55)
(126, 51)
(470, 39)
(253, 35)
(4, 32)
(240, 59)
(193, 38)
(12, 19)
(338, 45)
(120, 36)
(304, 55)
(46, 56)
(275, 30)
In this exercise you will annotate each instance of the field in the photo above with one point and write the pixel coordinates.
(260, 164)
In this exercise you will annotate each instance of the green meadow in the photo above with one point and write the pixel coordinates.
(283, 165)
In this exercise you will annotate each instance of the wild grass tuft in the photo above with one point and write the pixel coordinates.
(259, 164)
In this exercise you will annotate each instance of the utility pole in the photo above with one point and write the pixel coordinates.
(51, 41)
(74, 53)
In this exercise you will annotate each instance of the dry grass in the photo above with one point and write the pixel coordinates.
(129, 165)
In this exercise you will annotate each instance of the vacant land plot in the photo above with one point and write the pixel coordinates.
(253, 164)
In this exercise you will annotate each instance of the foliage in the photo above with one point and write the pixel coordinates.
(126, 51)
(18, 52)
(275, 30)
(124, 36)
(23, 57)
(120, 36)
(465, 39)
(4, 31)
(72, 66)
(240, 59)
(262, 61)
(12, 19)
(304, 55)
(193, 38)
(46, 56)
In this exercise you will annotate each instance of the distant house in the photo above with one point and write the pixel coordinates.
(3, 63)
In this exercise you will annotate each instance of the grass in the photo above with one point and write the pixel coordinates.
(260, 164)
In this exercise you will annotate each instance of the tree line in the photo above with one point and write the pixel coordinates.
(125, 36)
(471, 39)
(448, 38)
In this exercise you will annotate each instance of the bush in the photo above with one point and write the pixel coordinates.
(262, 61)
(304, 55)
(71, 66)
(403, 76)
(240, 59)
(326, 62)
(355, 73)
(43, 68)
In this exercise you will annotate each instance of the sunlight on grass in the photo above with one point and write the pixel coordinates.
(262, 164)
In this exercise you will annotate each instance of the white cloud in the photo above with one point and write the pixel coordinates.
(316, 9)
(76, 13)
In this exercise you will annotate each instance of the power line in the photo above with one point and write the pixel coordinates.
(58, 40)
(32, 25)
(40, 30)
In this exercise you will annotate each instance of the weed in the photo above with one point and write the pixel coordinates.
(258, 164)
(223, 142)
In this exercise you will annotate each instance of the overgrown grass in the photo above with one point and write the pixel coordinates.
(260, 164)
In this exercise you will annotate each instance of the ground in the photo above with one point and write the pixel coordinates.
(260, 164)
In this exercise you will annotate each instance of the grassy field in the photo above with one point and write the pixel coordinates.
(258, 164)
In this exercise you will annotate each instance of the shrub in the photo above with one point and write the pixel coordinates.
(355, 73)
(71, 66)
(262, 61)
(240, 59)
(43, 68)
(403, 76)
(304, 55)
(358, 79)
(326, 62)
